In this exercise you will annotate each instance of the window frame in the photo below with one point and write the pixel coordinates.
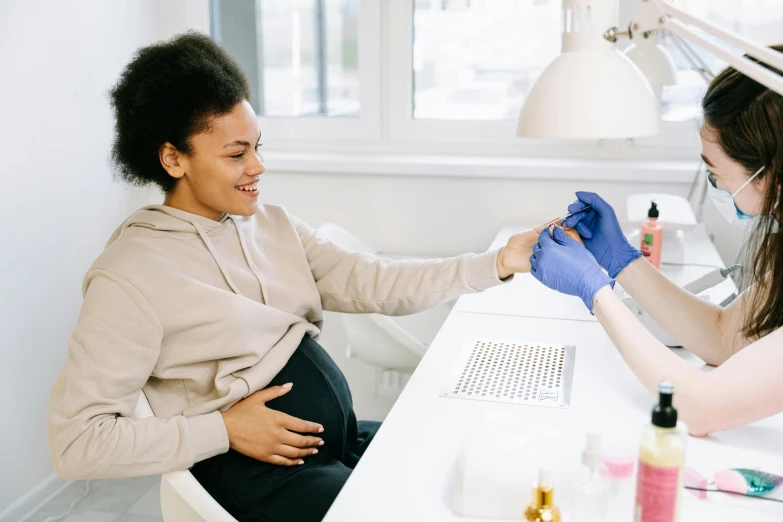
(675, 137)
(365, 127)
(386, 124)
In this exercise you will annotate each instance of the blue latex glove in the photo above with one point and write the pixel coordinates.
(601, 233)
(565, 265)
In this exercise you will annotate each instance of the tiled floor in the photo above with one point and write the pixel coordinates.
(117, 500)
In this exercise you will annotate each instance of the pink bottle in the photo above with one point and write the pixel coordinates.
(622, 495)
(652, 237)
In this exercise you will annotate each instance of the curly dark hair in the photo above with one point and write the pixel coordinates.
(167, 93)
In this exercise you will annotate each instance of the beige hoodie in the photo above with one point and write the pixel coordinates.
(200, 314)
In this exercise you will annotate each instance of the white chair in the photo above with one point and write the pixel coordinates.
(378, 340)
(182, 498)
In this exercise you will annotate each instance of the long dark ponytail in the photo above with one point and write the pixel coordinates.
(748, 121)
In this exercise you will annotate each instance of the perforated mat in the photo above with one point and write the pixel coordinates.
(535, 374)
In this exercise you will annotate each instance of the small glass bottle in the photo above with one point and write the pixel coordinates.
(591, 494)
(619, 476)
(542, 507)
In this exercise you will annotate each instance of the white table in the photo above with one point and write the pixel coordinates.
(408, 471)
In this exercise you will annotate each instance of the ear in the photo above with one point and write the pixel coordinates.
(172, 160)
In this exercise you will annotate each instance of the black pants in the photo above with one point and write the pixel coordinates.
(253, 490)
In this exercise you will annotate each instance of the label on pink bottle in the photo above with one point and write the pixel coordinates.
(647, 243)
(656, 493)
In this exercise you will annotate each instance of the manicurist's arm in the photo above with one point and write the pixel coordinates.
(743, 389)
(703, 328)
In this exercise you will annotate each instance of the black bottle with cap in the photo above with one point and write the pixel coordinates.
(664, 414)
(653, 212)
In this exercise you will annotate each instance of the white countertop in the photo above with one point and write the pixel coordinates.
(408, 471)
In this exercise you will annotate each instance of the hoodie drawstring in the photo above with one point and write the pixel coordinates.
(249, 260)
(205, 238)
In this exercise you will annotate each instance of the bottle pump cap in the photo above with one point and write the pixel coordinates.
(592, 456)
(653, 212)
(664, 415)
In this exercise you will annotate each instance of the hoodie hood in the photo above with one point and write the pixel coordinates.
(168, 219)
(178, 222)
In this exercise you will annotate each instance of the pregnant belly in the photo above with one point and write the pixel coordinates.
(320, 394)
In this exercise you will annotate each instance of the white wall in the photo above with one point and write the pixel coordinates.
(438, 216)
(58, 200)
(448, 216)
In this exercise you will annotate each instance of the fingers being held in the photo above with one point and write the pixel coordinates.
(573, 234)
(562, 235)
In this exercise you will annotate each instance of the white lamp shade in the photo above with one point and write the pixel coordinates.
(590, 94)
(654, 61)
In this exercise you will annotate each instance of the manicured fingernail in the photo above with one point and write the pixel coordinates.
(321, 443)
(315, 451)
(288, 385)
(301, 462)
(321, 429)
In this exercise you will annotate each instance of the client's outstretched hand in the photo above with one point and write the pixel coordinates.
(515, 256)
(565, 265)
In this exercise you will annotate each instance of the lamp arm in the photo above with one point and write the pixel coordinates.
(751, 48)
(658, 14)
(748, 67)
(698, 65)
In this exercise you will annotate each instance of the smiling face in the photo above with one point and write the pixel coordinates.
(220, 173)
(729, 175)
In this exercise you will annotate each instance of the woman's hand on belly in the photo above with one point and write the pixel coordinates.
(269, 435)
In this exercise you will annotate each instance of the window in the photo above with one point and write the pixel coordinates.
(302, 57)
(459, 70)
(463, 73)
(306, 57)
(455, 71)
(476, 60)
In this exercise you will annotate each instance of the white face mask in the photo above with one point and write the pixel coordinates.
(725, 202)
